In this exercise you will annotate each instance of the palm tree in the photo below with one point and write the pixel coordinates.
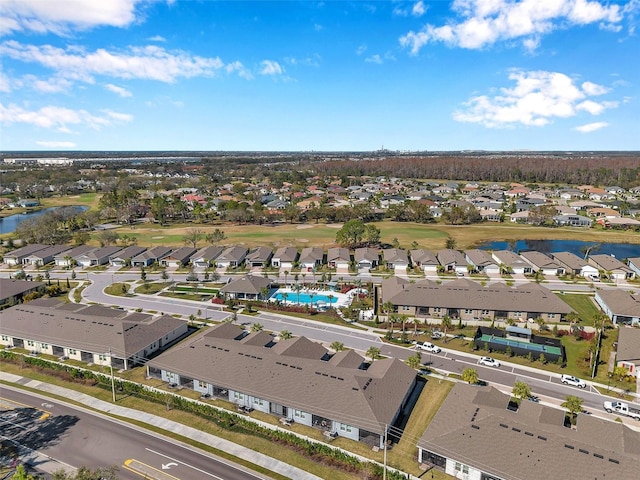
(285, 295)
(297, 287)
(574, 405)
(414, 360)
(264, 291)
(373, 353)
(446, 323)
(256, 327)
(286, 272)
(311, 295)
(337, 346)
(330, 297)
(285, 335)
(470, 375)
(521, 390)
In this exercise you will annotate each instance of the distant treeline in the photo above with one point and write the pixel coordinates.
(620, 170)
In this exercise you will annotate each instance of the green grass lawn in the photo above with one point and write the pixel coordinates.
(583, 305)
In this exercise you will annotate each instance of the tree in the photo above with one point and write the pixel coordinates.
(574, 406)
(450, 243)
(373, 353)
(84, 473)
(81, 238)
(521, 390)
(286, 272)
(470, 375)
(256, 327)
(192, 236)
(22, 474)
(285, 335)
(215, 237)
(159, 208)
(351, 234)
(446, 324)
(414, 360)
(337, 346)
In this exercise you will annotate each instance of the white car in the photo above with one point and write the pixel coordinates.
(428, 347)
(489, 362)
(571, 380)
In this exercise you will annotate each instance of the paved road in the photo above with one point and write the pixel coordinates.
(65, 437)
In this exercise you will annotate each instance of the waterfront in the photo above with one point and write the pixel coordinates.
(577, 247)
(10, 223)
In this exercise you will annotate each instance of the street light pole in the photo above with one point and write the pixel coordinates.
(384, 468)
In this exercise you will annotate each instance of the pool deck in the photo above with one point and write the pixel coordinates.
(340, 299)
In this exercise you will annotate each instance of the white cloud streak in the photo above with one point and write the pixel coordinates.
(484, 22)
(59, 118)
(591, 127)
(150, 62)
(61, 17)
(270, 67)
(55, 144)
(536, 99)
(123, 92)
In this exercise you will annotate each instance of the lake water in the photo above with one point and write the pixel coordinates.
(9, 224)
(577, 247)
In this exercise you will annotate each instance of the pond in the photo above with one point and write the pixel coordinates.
(10, 223)
(577, 247)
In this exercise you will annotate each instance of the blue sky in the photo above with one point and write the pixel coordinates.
(331, 75)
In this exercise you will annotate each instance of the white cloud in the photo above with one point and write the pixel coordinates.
(317, 27)
(484, 22)
(60, 17)
(157, 38)
(119, 117)
(271, 67)
(374, 59)
(238, 68)
(123, 92)
(150, 62)
(5, 83)
(361, 49)
(50, 85)
(55, 144)
(57, 118)
(418, 9)
(536, 99)
(591, 127)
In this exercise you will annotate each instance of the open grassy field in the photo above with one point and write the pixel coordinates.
(431, 237)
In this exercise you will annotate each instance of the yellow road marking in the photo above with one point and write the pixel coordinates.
(146, 471)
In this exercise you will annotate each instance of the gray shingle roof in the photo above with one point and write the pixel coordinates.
(291, 373)
(286, 254)
(247, 284)
(608, 263)
(11, 288)
(621, 302)
(474, 427)
(628, 345)
(569, 260)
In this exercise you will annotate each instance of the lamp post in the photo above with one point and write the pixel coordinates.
(113, 382)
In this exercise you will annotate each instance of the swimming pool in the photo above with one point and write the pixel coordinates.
(334, 299)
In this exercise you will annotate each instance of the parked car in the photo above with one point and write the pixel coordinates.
(428, 347)
(574, 381)
(437, 335)
(489, 362)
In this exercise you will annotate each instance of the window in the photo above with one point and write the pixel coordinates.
(485, 312)
(44, 346)
(406, 308)
(468, 311)
(551, 315)
(5, 338)
(102, 358)
(462, 468)
(518, 314)
(436, 309)
(72, 351)
(345, 428)
(30, 343)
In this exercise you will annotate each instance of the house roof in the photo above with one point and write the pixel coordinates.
(25, 251)
(101, 252)
(260, 254)
(11, 288)
(248, 284)
(233, 254)
(286, 254)
(509, 258)
(295, 373)
(154, 253)
(465, 293)
(608, 263)
(366, 253)
(182, 254)
(569, 260)
(311, 254)
(539, 259)
(74, 252)
(91, 328)
(209, 253)
(50, 251)
(480, 258)
(423, 257)
(621, 302)
(395, 255)
(128, 252)
(474, 427)
(449, 256)
(338, 253)
(628, 345)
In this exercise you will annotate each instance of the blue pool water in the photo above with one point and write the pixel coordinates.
(303, 298)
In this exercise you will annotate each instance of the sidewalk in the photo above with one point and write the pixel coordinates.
(231, 448)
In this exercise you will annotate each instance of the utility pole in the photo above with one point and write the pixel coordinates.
(384, 461)
(113, 382)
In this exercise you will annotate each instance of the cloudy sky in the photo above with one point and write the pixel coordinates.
(327, 75)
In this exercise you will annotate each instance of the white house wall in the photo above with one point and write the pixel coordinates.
(462, 471)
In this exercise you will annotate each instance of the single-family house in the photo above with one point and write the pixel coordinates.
(178, 258)
(481, 261)
(623, 308)
(310, 258)
(634, 265)
(425, 260)
(232, 257)
(396, 259)
(151, 256)
(477, 435)
(205, 257)
(611, 266)
(574, 265)
(285, 257)
(259, 257)
(339, 258)
(45, 256)
(342, 395)
(88, 333)
(16, 257)
(628, 352)
(572, 220)
(452, 260)
(542, 263)
(366, 258)
(69, 258)
(124, 257)
(99, 256)
(510, 262)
